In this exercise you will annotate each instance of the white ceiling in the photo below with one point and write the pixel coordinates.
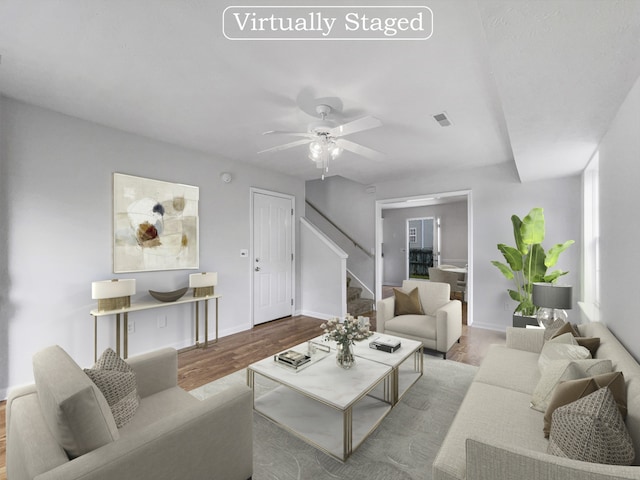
(535, 82)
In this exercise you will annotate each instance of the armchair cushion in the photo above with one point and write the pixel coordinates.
(413, 325)
(407, 303)
(73, 407)
(117, 381)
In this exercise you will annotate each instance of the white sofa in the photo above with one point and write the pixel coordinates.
(440, 326)
(172, 434)
(497, 436)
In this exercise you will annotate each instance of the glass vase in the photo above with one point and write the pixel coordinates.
(344, 355)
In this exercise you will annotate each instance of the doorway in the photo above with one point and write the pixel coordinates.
(272, 255)
(421, 246)
(386, 210)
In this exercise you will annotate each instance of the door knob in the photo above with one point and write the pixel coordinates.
(257, 269)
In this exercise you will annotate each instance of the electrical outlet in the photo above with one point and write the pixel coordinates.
(162, 321)
(131, 326)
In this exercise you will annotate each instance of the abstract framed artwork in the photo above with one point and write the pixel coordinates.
(155, 225)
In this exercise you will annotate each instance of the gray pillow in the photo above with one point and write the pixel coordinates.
(572, 390)
(591, 430)
(117, 382)
(557, 371)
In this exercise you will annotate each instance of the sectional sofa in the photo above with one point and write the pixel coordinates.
(496, 435)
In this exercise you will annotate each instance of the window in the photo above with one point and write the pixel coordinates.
(413, 235)
(591, 240)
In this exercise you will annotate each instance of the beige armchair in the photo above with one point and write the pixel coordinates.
(438, 328)
(59, 427)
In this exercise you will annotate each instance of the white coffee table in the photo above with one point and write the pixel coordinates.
(325, 405)
(407, 362)
(334, 409)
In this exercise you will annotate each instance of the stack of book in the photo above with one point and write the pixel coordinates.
(292, 358)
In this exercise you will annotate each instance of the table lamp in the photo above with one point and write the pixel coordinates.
(552, 300)
(203, 283)
(113, 294)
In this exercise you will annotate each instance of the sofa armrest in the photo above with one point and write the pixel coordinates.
(505, 462)
(384, 311)
(528, 339)
(211, 440)
(155, 371)
(448, 325)
(30, 447)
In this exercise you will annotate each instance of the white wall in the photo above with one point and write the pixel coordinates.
(323, 274)
(453, 236)
(6, 308)
(619, 225)
(496, 195)
(56, 193)
(349, 205)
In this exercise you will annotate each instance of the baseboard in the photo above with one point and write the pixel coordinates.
(321, 316)
(489, 326)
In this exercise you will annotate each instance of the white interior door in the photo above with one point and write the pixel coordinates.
(272, 257)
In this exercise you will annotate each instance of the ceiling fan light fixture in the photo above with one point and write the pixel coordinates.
(315, 148)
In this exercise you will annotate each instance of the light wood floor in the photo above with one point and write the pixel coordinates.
(197, 367)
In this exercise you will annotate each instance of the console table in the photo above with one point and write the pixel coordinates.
(124, 312)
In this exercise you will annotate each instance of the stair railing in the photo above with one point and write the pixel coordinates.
(346, 235)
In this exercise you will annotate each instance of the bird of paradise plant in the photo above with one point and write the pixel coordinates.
(527, 262)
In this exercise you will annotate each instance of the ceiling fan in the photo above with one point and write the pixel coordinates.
(325, 141)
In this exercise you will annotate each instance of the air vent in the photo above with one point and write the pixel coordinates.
(442, 119)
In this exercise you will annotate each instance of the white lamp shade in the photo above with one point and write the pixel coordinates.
(113, 288)
(204, 279)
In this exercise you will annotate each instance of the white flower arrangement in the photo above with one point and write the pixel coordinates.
(345, 332)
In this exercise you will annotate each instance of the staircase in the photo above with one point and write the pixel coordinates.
(355, 304)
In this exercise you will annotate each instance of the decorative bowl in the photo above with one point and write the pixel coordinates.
(169, 296)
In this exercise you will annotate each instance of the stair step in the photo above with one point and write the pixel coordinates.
(360, 306)
(353, 293)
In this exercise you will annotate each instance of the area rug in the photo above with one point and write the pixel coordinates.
(402, 447)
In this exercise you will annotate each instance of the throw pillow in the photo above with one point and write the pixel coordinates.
(591, 430)
(572, 390)
(117, 382)
(552, 329)
(562, 347)
(566, 328)
(556, 372)
(594, 366)
(590, 343)
(407, 303)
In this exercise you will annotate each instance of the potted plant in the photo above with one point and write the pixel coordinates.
(528, 262)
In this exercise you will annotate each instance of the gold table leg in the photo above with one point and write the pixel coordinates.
(347, 438)
(118, 334)
(197, 325)
(126, 334)
(95, 339)
(206, 323)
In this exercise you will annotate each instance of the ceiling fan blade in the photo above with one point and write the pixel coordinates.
(364, 123)
(295, 134)
(285, 146)
(360, 149)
